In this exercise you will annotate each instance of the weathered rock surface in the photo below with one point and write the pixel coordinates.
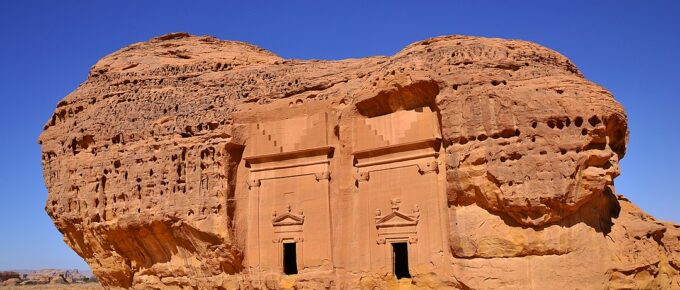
(55, 276)
(147, 179)
(6, 275)
(45, 276)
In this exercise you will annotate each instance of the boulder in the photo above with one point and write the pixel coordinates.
(6, 275)
(459, 162)
(11, 282)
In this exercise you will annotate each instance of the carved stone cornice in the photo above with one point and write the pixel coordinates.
(362, 176)
(428, 166)
(253, 183)
(322, 175)
(280, 240)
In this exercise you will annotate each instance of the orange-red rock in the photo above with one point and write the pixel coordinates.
(191, 162)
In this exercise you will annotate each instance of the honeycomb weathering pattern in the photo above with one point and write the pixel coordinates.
(158, 163)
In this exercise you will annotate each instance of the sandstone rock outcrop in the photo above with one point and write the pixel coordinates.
(459, 162)
(56, 276)
(6, 275)
(45, 276)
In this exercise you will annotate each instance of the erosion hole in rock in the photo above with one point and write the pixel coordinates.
(289, 259)
(551, 124)
(578, 121)
(421, 93)
(400, 260)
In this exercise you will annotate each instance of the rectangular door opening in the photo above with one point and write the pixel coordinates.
(400, 260)
(289, 259)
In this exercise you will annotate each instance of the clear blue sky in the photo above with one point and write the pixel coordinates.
(47, 47)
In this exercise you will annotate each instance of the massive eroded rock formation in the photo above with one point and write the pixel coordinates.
(193, 162)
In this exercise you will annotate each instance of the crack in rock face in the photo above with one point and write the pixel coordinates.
(459, 162)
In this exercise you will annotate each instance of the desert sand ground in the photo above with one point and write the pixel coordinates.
(86, 286)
